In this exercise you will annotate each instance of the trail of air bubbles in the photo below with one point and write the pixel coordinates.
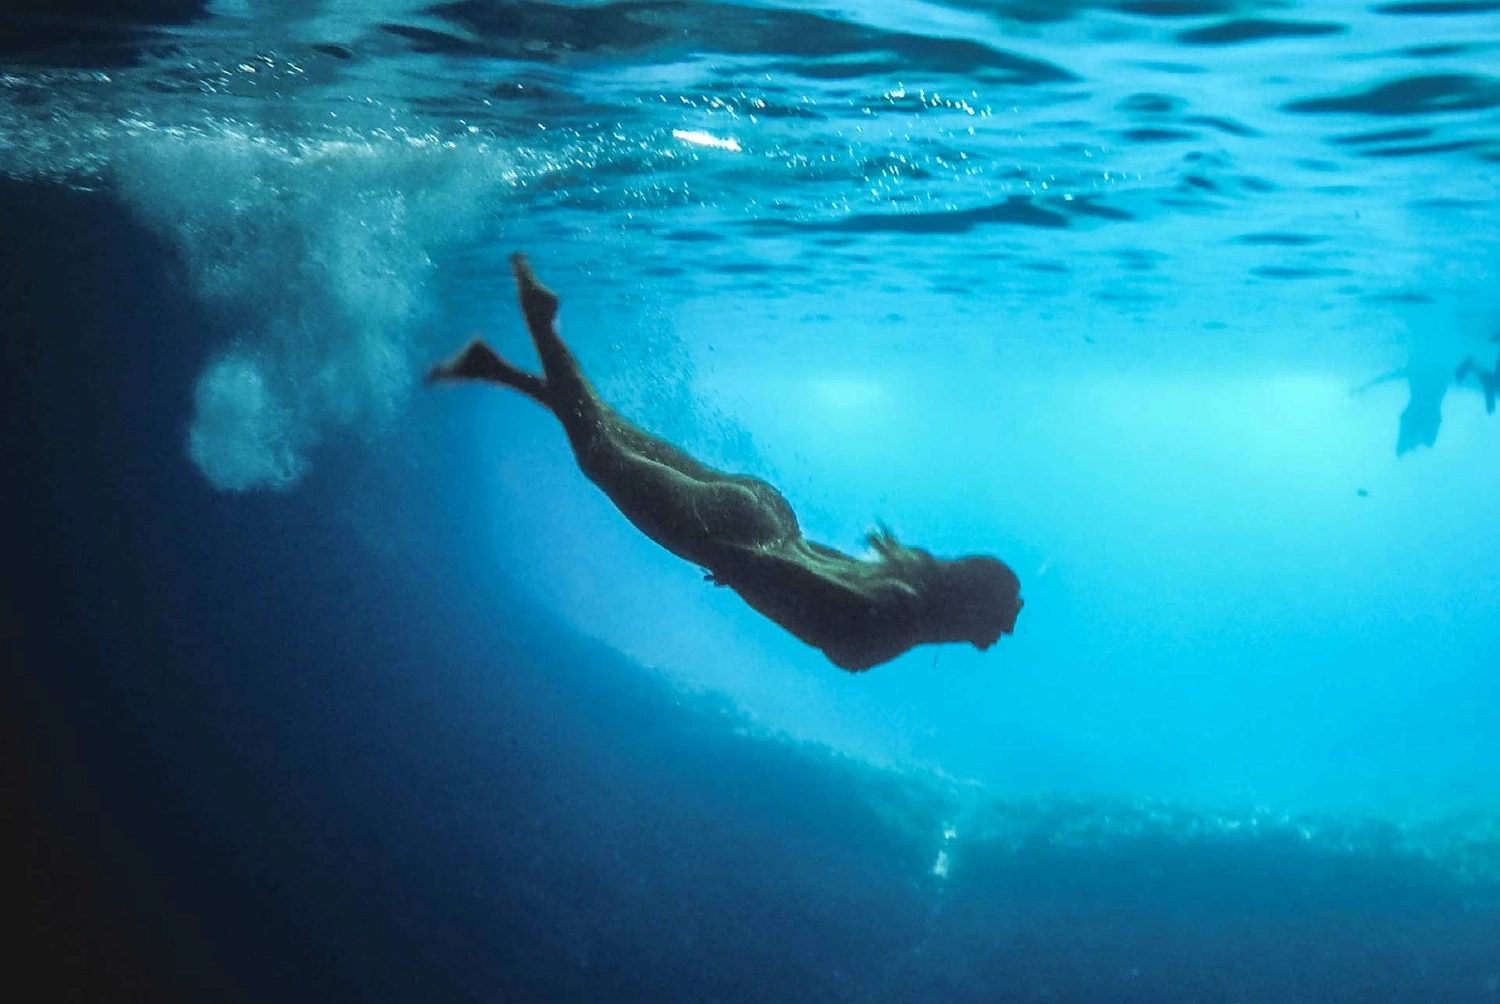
(312, 246)
(317, 255)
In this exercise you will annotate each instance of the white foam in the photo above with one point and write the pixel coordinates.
(307, 235)
(317, 255)
(242, 436)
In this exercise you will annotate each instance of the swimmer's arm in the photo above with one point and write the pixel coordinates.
(818, 585)
(857, 616)
(1398, 374)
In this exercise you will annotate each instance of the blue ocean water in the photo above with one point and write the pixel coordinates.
(326, 685)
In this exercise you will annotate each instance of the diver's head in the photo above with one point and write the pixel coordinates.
(978, 600)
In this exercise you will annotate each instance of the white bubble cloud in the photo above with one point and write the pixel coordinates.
(242, 436)
(317, 257)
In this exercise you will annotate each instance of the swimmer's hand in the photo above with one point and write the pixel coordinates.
(710, 577)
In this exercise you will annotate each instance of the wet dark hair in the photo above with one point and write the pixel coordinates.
(984, 575)
(976, 594)
(912, 563)
(983, 592)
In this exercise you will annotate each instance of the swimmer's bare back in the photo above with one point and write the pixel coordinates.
(859, 613)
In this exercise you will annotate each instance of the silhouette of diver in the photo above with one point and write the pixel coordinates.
(1490, 382)
(859, 612)
(1423, 416)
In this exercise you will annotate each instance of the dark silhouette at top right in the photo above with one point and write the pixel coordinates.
(1423, 416)
(1489, 381)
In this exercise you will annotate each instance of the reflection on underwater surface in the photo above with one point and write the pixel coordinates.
(1090, 282)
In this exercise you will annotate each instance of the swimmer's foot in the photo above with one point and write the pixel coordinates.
(477, 361)
(1464, 369)
(480, 362)
(538, 303)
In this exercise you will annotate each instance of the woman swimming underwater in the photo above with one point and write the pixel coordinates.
(859, 613)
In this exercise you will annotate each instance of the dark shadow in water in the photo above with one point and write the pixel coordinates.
(1428, 377)
(1239, 32)
(1015, 211)
(1438, 8)
(1488, 380)
(1423, 416)
(88, 33)
(821, 46)
(1431, 94)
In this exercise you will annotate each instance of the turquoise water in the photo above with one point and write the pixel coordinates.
(1161, 303)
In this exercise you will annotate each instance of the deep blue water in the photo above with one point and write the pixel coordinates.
(325, 687)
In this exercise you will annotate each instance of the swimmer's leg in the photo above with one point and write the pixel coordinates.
(539, 306)
(1489, 382)
(698, 521)
(577, 401)
(593, 427)
(684, 505)
(478, 361)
